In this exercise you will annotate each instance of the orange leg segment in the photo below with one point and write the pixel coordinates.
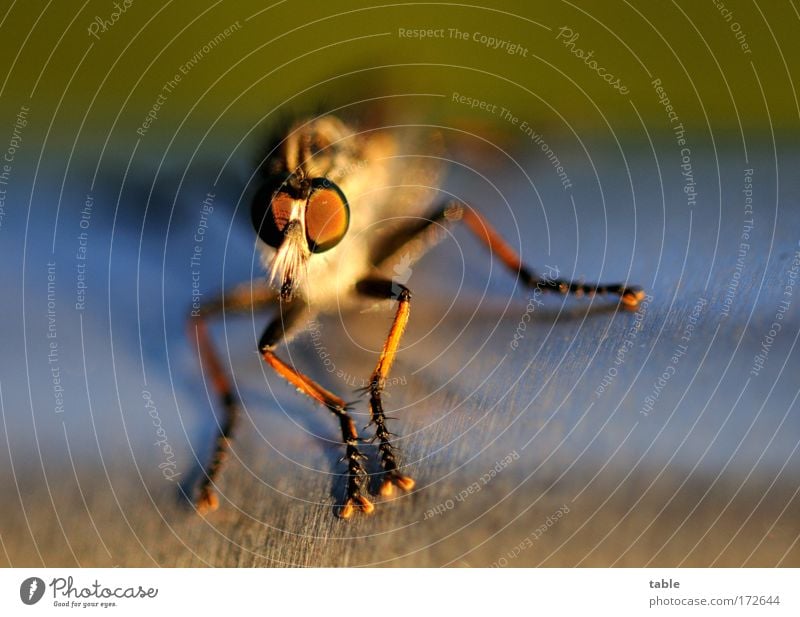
(243, 298)
(355, 498)
(382, 288)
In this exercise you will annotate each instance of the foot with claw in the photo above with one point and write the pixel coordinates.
(395, 478)
(631, 297)
(207, 500)
(356, 483)
(354, 503)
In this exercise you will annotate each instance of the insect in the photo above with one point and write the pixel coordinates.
(325, 188)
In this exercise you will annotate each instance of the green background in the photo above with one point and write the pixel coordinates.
(282, 56)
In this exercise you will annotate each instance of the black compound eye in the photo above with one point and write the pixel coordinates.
(327, 215)
(270, 214)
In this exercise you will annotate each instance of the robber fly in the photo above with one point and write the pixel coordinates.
(324, 188)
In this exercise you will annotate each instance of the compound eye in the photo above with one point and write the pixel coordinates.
(327, 215)
(271, 217)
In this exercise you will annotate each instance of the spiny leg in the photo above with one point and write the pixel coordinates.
(245, 297)
(355, 497)
(422, 234)
(630, 296)
(386, 289)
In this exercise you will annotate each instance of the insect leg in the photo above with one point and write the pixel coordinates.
(245, 297)
(355, 499)
(385, 289)
(630, 295)
(417, 237)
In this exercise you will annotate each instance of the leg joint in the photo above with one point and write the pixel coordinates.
(454, 211)
(404, 293)
(265, 345)
(383, 289)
